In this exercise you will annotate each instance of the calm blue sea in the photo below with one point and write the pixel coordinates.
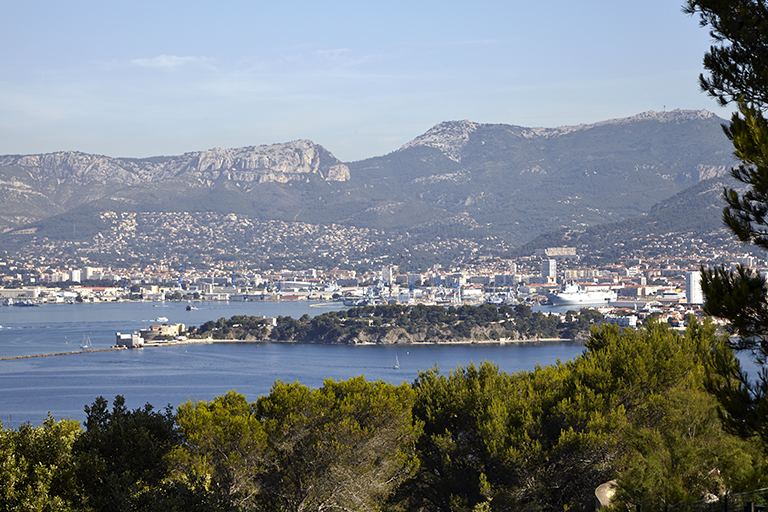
(63, 385)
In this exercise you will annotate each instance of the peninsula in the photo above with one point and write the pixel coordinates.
(400, 324)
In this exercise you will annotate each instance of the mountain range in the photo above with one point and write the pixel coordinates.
(460, 178)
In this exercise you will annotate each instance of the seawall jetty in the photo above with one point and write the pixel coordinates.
(64, 353)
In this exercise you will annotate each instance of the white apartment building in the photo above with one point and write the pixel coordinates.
(693, 293)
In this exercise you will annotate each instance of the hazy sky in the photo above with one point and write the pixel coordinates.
(143, 78)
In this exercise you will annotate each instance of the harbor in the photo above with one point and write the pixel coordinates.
(172, 373)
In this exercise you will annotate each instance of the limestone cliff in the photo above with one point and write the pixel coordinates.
(33, 187)
(277, 162)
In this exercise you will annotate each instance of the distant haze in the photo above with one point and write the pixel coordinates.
(164, 78)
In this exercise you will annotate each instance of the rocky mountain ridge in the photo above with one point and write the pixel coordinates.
(460, 178)
(277, 162)
(33, 187)
(450, 137)
(274, 163)
(528, 181)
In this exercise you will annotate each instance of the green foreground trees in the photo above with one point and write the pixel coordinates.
(37, 466)
(345, 446)
(737, 67)
(633, 408)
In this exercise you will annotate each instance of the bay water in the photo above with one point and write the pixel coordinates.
(30, 388)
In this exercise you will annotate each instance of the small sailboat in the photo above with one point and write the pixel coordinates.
(397, 363)
(86, 344)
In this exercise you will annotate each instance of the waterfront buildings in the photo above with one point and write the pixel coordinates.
(132, 340)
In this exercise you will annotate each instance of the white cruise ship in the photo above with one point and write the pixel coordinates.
(572, 293)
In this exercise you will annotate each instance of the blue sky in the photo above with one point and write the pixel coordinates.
(153, 78)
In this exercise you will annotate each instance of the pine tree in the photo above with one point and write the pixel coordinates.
(737, 66)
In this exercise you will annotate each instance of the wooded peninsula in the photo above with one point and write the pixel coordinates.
(392, 324)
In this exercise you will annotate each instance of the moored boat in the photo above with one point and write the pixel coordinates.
(575, 294)
(25, 303)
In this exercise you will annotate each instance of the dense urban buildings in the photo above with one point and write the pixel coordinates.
(667, 283)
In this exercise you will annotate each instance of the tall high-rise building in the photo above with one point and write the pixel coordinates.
(387, 275)
(746, 260)
(693, 293)
(549, 270)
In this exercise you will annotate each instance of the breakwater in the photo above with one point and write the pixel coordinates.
(64, 353)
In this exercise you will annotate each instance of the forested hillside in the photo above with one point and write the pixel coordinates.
(695, 213)
(631, 408)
